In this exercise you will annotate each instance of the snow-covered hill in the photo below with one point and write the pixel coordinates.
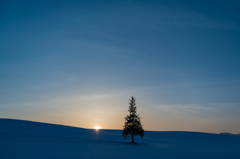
(33, 140)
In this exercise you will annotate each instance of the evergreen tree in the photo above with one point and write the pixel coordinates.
(132, 126)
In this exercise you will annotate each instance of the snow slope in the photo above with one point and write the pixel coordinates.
(21, 139)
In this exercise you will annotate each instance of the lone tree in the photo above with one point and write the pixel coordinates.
(133, 124)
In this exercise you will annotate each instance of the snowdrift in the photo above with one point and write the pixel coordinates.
(21, 139)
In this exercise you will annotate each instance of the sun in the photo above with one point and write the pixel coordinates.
(97, 128)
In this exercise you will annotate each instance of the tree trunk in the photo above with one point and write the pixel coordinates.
(132, 138)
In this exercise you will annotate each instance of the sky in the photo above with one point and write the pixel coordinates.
(78, 63)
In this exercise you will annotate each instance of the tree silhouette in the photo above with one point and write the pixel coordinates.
(132, 126)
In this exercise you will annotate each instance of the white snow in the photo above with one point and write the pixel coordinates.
(21, 139)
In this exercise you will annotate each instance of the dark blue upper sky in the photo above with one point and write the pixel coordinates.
(61, 61)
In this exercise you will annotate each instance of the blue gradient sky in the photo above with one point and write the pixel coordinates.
(78, 63)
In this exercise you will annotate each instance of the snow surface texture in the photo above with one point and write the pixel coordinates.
(33, 140)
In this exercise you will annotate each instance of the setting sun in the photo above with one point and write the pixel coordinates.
(97, 127)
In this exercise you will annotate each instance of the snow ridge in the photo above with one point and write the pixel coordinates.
(21, 139)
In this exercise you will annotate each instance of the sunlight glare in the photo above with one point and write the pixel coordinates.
(97, 128)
